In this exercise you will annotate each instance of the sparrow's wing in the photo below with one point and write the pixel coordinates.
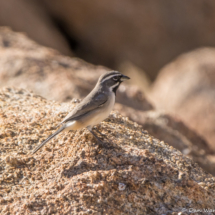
(89, 103)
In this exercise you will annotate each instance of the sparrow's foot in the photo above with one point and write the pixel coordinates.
(101, 143)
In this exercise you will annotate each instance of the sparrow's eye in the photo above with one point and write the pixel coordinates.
(115, 78)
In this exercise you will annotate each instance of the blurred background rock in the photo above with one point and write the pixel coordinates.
(148, 34)
(160, 44)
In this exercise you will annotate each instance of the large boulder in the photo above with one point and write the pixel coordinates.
(24, 63)
(175, 132)
(147, 33)
(73, 175)
(31, 17)
(186, 88)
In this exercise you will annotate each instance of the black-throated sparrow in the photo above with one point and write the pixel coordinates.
(94, 108)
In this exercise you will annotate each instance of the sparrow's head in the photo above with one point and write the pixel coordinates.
(112, 80)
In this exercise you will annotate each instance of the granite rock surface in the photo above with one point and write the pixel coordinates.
(73, 175)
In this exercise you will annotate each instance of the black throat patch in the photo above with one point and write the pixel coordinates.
(116, 87)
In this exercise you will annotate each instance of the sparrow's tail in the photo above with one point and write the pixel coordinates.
(49, 138)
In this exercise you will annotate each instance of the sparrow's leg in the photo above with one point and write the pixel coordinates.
(99, 141)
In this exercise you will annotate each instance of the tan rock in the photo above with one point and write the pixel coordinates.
(173, 131)
(186, 88)
(31, 17)
(72, 175)
(25, 64)
(147, 33)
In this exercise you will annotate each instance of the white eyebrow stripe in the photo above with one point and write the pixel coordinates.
(110, 77)
(114, 85)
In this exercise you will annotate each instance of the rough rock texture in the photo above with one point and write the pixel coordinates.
(72, 175)
(147, 33)
(32, 18)
(25, 64)
(174, 132)
(186, 88)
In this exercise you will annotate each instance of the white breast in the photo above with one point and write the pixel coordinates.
(111, 104)
(108, 107)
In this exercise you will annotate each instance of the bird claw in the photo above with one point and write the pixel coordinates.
(101, 143)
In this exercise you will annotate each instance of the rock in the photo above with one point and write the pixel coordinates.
(73, 175)
(174, 132)
(132, 96)
(186, 88)
(32, 18)
(25, 64)
(147, 33)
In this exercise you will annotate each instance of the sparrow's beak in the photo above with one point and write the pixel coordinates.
(124, 77)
